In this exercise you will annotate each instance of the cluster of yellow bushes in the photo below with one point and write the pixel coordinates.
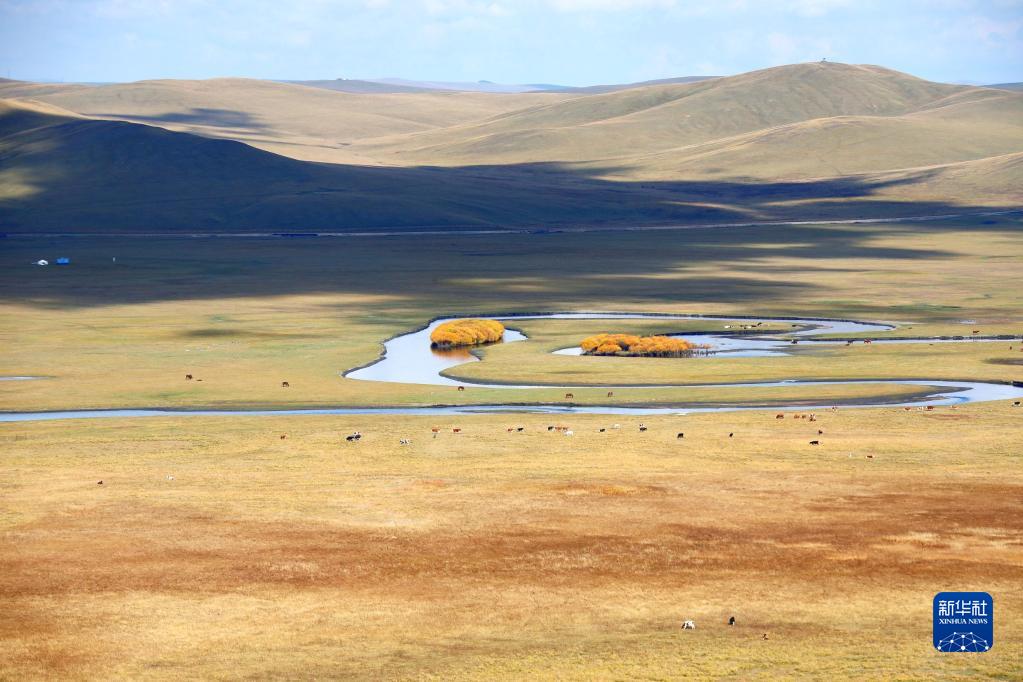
(466, 333)
(647, 346)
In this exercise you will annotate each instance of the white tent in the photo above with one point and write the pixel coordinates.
(41, 262)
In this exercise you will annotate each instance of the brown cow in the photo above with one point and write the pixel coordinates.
(456, 430)
(610, 394)
(188, 377)
(779, 416)
(461, 388)
(569, 396)
(815, 442)
(285, 384)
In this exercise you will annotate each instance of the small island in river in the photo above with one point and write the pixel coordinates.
(628, 345)
(469, 332)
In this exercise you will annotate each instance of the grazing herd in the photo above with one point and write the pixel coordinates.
(642, 428)
(567, 431)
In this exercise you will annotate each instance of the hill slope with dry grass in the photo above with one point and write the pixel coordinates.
(808, 141)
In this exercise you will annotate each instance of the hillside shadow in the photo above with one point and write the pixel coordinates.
(129, 179)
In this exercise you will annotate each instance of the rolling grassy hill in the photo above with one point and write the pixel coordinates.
(308, 123)
(808, 141)
(658, 118)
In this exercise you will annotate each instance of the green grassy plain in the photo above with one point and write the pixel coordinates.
(245, 315)
(216, 549)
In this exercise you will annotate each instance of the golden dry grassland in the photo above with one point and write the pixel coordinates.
(217, 549)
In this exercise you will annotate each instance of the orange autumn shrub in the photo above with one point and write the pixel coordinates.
(466, 333)
(639, 346)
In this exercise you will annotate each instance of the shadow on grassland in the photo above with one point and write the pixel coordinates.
(85, 176)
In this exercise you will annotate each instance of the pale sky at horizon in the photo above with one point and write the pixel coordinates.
(569, 42)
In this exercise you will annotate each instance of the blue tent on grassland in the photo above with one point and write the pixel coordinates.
(63, 261)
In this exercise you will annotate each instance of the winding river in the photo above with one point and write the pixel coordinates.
(408, 358)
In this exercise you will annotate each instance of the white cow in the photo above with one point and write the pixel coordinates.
(688, 625)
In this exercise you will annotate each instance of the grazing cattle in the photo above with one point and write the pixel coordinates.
(680, 435)
(1016, 404)
(569, 396)
(188, 377)
(870, 456)
(813, 417)
(731, 621)
(866, 341)
(795, 341)
(730, 435)
(550, 428)
(569, 432)
(820, 432)
(353, 437)
(815, 442)
(285, 384)
(930, 407)
(610, 394)
(642, 428)
(779, 416)
(456, 430)
(405, 441)
(520, 429)
(283, 436)
(99, 483)
(976, 331)
(602, 430)
(907, 409)
(461, 388)
(688, 625)
(765, 636)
